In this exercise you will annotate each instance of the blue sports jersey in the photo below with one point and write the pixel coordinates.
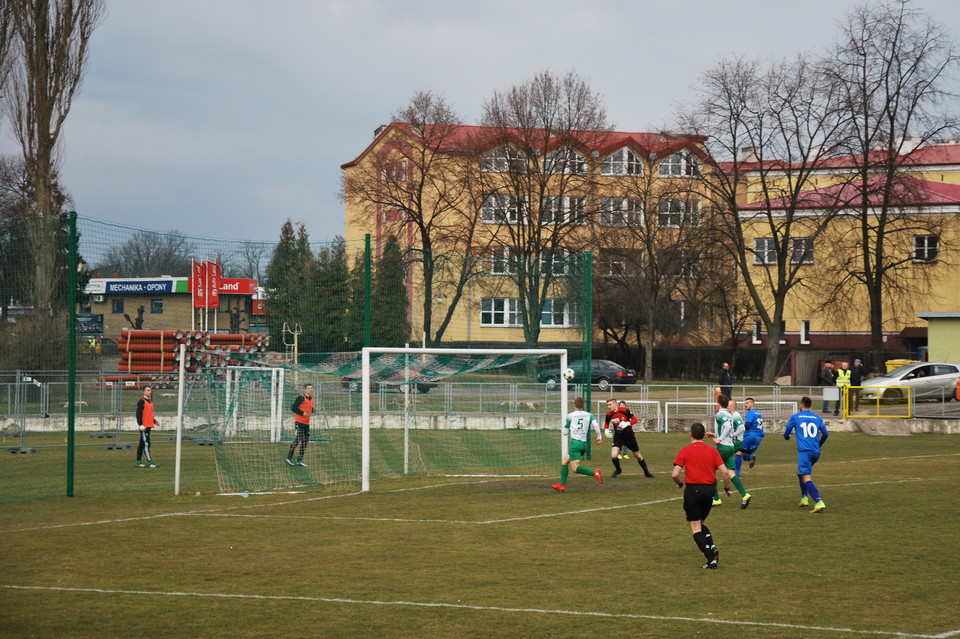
(754, 421)
(811, 431)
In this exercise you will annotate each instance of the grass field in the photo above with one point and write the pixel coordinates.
(505, 557)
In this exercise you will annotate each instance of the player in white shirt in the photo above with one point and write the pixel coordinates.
(577, 427)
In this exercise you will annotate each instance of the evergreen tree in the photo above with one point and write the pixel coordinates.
(286, 284)
(389, 298)
(332, 298)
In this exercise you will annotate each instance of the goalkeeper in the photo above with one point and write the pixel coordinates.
(302, 409)
(619, 423)
(577, 426)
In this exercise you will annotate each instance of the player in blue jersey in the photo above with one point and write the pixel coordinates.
(753, 433)
(811, 434)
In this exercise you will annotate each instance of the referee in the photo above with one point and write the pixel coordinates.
(701, 463)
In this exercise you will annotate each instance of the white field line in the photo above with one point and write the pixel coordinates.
(225, 511)
(462, 606)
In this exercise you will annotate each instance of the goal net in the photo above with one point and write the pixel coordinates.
(388, 413)
(679, 416)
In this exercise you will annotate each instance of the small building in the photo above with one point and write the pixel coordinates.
(943, 336)
(166, 303)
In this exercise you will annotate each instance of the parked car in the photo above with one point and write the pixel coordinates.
(356, 384)
(924, 380)
(603, 374)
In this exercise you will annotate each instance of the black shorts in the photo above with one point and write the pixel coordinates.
(626, 439)
(698, 500)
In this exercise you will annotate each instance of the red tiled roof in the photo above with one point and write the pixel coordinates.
(604, 143)
(906, 192)
(931, 155)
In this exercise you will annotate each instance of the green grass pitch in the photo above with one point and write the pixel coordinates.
(444, 556)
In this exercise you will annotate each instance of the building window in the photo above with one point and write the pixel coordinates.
(764, 250)
(783, 331)
(395, 172)
(563, 210)
(622, 162)
(557, 263)
(499, 311)
(505, 159)
(677, 212)
(499, 208)
(801, 250)
(559, 313)
(757, 332)
(620, 211)
(565, 160)
(926, 248)
(156, 306)
(611, 267)
(679, 165)
(501, 263)
(117, 305)
(805, 332)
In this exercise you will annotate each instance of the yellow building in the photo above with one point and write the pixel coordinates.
(829, 308)
(512, 205)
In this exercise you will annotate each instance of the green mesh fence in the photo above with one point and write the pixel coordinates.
(83, 330)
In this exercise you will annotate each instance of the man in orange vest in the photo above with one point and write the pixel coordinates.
(146, 422)
(302, 409)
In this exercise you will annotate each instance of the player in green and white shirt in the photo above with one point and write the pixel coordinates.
(739, 428)
(723, 437)
(577, 427)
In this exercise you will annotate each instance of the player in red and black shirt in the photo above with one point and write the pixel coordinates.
(302, 409)
(700, 463)
(619, 424)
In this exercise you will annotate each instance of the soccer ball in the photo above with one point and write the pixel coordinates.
(569, 374)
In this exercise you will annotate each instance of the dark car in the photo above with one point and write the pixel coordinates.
(356, 384)
(603, 374)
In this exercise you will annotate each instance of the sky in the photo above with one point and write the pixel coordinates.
(225, 118)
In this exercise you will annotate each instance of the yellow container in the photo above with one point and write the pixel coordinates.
(897, 363)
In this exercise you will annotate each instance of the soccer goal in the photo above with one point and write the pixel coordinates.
(648, 413)
(679, 416)
(516, 434)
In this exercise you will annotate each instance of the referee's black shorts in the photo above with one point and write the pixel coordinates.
(698, 500)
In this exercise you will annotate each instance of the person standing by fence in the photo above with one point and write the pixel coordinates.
(145, 421)
(843, 380)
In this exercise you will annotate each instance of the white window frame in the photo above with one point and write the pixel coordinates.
(395, 172)
(689, 208)
(805, 332)
(801, 250)
(503, 159)
(680, 164)
(565, 160)
(568, 315)
(504, 309)
(555, 209)
(764, 251)
(623, 161)
(621, 211)
(502, 261)
(756, 335)
(559, 260)
(926, 248)
(501, 208)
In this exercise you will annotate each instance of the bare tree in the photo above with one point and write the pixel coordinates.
(786, 115)
(534, 184)
(49, 49)
(415, 185)
(892, 64)
(6, 37)
(149, 254)
(249, 262)
(659, 247)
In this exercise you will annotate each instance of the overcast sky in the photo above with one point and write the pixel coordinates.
(223, 118)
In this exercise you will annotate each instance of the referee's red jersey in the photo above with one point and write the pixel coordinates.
(700, 463)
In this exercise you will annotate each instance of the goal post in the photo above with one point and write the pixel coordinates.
(647, 411)
(678, 416)
(435, 364)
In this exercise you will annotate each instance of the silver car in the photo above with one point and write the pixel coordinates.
(924, 380)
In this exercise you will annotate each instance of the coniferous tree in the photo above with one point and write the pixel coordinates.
(287, 282)
(390, 298)
(332, 293)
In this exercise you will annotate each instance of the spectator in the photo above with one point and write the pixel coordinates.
(856, 380)
(827, 378)
(726, 381)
